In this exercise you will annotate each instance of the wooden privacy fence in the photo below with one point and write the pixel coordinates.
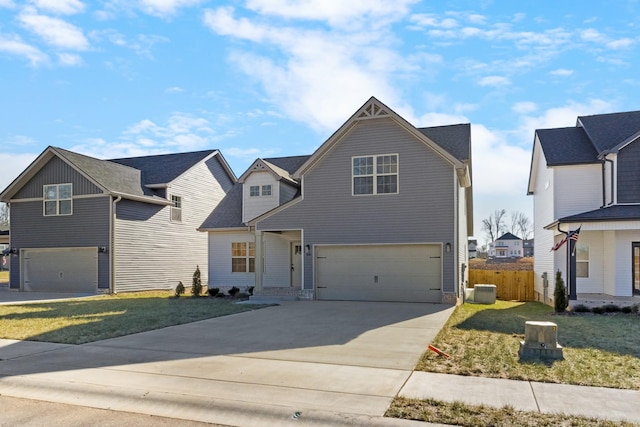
(510, 285)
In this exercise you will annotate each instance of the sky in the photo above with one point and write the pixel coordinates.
(270, 78)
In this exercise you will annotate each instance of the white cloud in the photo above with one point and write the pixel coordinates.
(563, 116)
(592, 35)
(12, 165)
(9, 4)
(524, 107)
(165, 8)
(562, 72)
(620, 43)
(60, 7)
(334, 12)
(54, 31)
(495, 81)
(318, 89)
(69, 59)
(174, 89)
(15, 46)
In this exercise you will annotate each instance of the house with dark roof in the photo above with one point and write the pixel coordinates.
(506, 246)
(585, 183)
(81, 224)
(381, 211)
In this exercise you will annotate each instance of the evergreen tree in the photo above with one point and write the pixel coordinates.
(560, 300)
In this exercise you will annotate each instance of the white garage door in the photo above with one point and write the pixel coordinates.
(410, 273)
(60, 270)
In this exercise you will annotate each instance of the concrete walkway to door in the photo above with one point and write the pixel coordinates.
(302, 362)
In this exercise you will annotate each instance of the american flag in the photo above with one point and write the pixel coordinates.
(573, 235)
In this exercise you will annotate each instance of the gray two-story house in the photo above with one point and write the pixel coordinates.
(80, 224)
(381, 211)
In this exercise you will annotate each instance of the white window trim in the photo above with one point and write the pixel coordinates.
(260, 190)
(176, 209)
(57, 200)
(257, 187)
(247, 257)
(375, 174)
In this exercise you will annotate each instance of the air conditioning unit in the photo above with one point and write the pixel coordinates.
(484, 294)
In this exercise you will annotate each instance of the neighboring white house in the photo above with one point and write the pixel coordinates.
(587, 178)
(506, 246)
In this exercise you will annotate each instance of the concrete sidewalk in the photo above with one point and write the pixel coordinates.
(597, 402)
(302, 363)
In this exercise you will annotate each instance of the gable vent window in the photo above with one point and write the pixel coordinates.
(375, 174)
(57, 199)
(176, 209)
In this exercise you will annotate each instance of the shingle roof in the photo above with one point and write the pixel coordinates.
(228, 213)
(606, 131)
(609, 213)
(112, 176)
(456, 139)
(163, 168)
(508, 236)
(567, 146)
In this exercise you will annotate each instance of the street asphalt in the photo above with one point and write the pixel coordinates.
(300, 363)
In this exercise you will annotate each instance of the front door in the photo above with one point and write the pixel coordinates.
(635, 246)
(296, 264)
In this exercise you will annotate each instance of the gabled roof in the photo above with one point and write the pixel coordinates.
(607, 131)
(280, 167)
(456, 139)
(128, 177)
(567, 146)
(508, 236)
(374, 109)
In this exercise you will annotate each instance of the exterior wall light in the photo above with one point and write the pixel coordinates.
(447, 247)
(307, 249)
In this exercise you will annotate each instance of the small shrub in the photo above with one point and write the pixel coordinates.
(220, 295)
(250, 290)
(233, 291)
(213, 291)
(635, 309)
(581, 308)
(242, 295)
(179, 289)
(560, 300)
(611, 308)
(627, 309)
(598, 310)
(196, 284)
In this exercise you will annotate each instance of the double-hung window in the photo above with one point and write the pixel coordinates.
(582, 260)
(57, 199)
(375, 174)
(243, 257)
(260, 190)
(176, 208)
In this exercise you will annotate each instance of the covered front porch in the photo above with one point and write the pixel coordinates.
(279, 266)
(599, 300)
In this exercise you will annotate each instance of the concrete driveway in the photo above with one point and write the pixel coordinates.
(313, 361)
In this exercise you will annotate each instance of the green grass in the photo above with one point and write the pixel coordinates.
(460, 414)
(92, 319)
(483, 340)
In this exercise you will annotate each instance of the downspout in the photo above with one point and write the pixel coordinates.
(604, 195)
(112, 251)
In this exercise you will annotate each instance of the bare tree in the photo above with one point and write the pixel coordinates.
(493, 225)
(4, 214)
(524, 226)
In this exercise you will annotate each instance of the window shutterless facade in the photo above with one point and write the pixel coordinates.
(57, 199)
(375, 174)
(243, 257)
(257, 190)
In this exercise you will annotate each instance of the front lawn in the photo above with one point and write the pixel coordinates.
(92, 319)
(483, 340)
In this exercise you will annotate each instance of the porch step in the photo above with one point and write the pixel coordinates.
(279, 294)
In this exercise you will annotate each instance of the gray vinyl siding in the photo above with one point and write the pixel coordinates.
(87, 227)
(628, 180)
(423, 211)
(56, 171)
(152, 252)
(287, 192)
(220, 174)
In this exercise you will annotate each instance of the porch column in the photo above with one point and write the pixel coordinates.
(258, 261)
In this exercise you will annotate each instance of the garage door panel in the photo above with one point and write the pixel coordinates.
(379, 273)
(60, 270)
